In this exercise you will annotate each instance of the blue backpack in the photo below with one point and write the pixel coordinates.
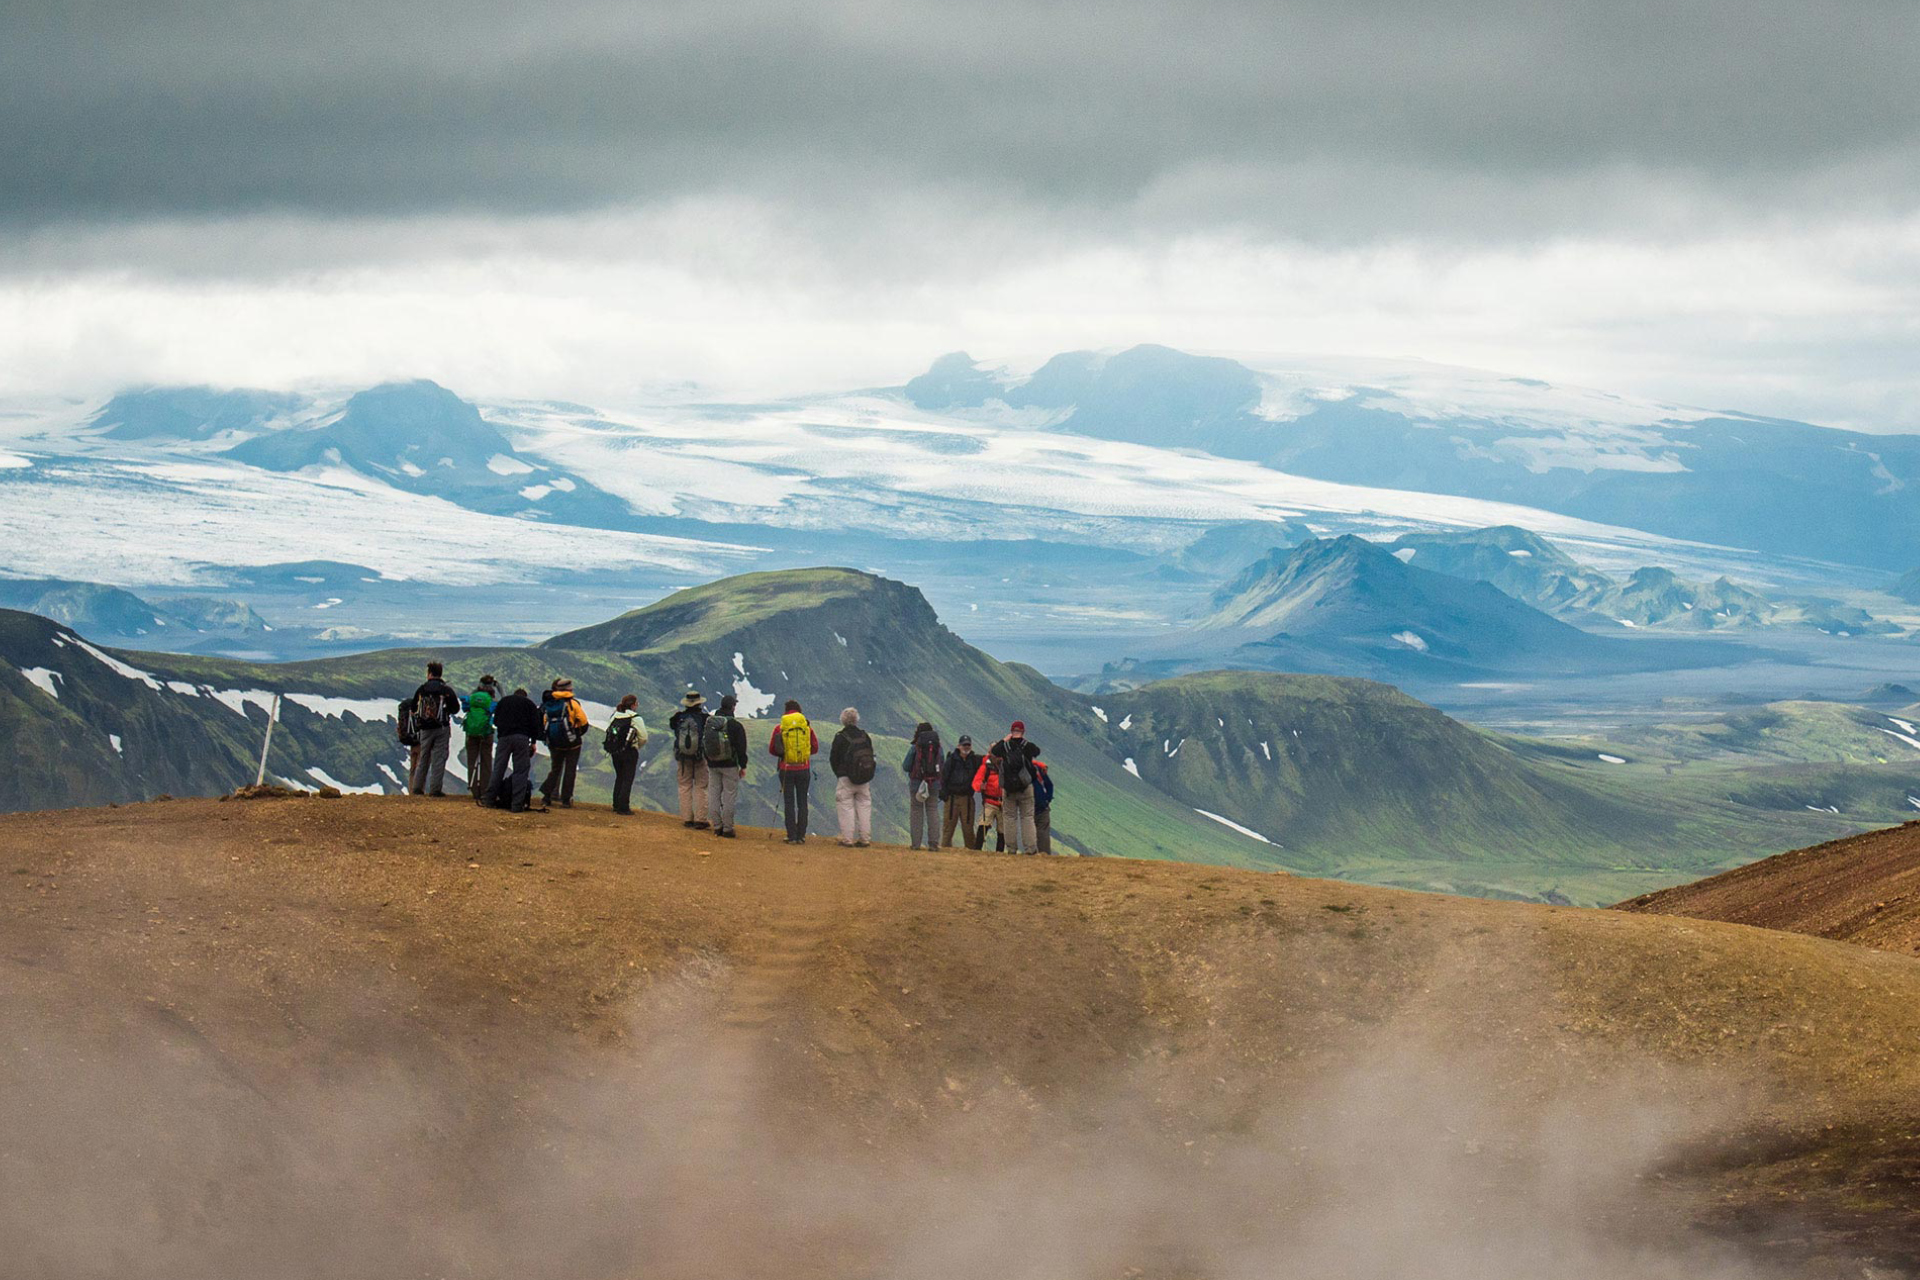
(560, 731)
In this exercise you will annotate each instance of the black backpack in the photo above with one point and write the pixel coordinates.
(431, 710)
(1016, 775)
(408, 735)
(618, 736)
(861, 765)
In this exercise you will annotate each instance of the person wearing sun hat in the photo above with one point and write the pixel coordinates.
(1016, 754)
(689, 729)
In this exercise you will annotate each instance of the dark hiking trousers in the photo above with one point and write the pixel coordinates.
(793, 796)
(479, 764)
(625, 765)
(559, 783)
(959, 817)
(512, 772)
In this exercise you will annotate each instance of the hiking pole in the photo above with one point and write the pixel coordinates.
(273, 713)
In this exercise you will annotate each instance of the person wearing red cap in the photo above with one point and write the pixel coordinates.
(1016, 754)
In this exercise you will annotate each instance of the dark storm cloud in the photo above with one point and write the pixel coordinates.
(1308, 113)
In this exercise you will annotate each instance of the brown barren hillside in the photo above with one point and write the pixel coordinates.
(1863, 889)
(391, 1037)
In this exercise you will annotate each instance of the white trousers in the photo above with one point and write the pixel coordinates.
(855, 803)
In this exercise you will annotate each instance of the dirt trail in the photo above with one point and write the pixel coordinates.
(689, 1056)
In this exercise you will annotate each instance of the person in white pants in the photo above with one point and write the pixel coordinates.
(853, 769)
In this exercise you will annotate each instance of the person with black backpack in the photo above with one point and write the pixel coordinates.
(689, 725)
(924, 769)
(853, 764)
(1016, 755)
(517, 722)
(723, 745)
(565, 723)
(435, 704)
(956, 788)
(626, 735)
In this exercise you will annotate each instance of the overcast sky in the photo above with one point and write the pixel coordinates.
(1716, 201)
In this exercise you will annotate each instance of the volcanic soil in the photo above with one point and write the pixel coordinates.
(409, 1037)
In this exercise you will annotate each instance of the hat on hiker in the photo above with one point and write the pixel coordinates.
(694, 698)
(965, 741)
(562, 683)
(1019, 729)
(727, 705)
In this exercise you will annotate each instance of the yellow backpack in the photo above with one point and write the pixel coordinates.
(796, 739)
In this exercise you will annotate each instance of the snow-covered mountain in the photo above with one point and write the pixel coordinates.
(1721, 477)
(1100, 495)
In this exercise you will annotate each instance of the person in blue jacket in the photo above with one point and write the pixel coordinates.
(1043, 806)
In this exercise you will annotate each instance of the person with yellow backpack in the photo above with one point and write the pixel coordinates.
(794, 744)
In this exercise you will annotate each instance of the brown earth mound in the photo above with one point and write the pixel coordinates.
(392, 1037)
(1864, 889)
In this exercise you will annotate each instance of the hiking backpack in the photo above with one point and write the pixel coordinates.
(926, 759)
(796, 742)
(619, 734)
(430, 711)
(479, 722)
(687, 737)
(408, 735)
(860, 762)
(561, 735)
(1016, 775)
(716, 743)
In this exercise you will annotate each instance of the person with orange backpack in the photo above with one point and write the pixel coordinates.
(794, 744)
(565, 723)
(924, 767)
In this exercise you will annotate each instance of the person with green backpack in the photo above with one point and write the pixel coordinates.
(626, 735)
(853, 765)
(689, 726)
(477, 724)
(723, 743)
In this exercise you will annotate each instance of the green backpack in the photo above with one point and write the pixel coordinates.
(479, 721)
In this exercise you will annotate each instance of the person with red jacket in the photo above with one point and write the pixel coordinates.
(986, 781)
(794, 744)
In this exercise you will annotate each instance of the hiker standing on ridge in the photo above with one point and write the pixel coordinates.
(1043, 806)
(434, 706)
(956, 788)
(626, 735)
(986, 781)
(565, 723)
(724, 745)
(517, 722)
(924, 771)
(794, 743)
(477, 725)
(853, 765)
(1016, 756)
(689, 725)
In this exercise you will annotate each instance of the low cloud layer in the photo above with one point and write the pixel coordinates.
(1702, 201)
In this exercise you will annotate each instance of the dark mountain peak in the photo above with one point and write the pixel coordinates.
(954, 381)
(190, 413)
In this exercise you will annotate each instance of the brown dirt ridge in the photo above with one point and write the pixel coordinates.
(1864, 889)
(405, 1037)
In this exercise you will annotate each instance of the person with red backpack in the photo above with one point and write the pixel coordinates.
(794, 744)
(924, 767)
(435, 704)
(853, 767)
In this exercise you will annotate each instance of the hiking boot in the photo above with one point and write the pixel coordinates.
(862, 844)
(727, 834)
(701, 826)
(689, 824)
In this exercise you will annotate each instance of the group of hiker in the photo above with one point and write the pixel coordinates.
(1006, 791)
